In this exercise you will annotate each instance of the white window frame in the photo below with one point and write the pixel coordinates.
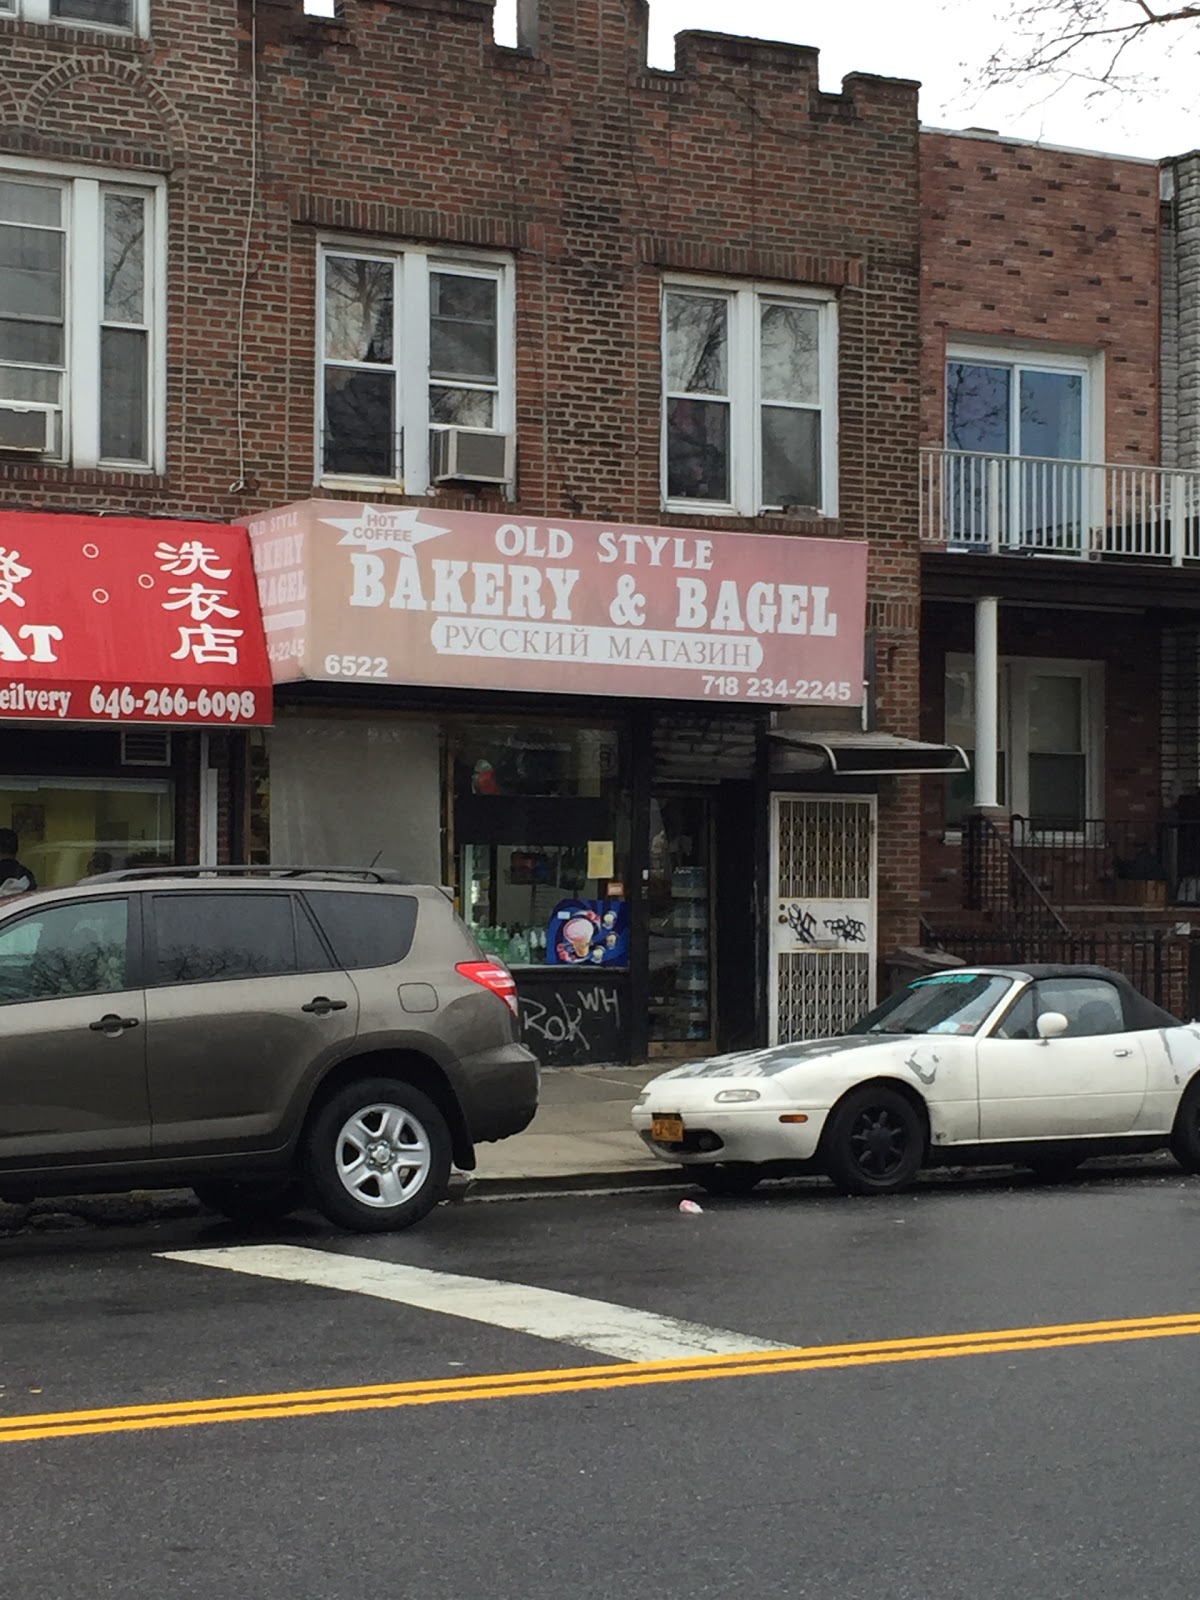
(1016, 671)
(745, 391)
(412, 266)
(83, 190)
(1088, 365)
(41, 11)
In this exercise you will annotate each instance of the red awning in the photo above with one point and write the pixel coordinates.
(123, 619)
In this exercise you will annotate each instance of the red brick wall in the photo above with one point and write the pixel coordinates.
(406, 122)
(1028, 243)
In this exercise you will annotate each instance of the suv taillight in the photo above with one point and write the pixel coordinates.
(495, 976)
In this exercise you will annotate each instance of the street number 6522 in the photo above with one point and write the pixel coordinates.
(356, 666)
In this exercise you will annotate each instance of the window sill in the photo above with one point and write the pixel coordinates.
(714, 508)
(363, 486)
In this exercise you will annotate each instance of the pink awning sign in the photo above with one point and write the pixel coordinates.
(418, 595)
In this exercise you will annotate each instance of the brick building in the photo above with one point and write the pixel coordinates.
(1059, 595)
(521, 300)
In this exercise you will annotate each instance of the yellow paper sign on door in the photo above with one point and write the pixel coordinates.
(600, 858)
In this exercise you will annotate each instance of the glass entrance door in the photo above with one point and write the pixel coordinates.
(679, 907)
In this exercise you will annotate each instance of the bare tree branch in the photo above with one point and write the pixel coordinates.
(1089, 40)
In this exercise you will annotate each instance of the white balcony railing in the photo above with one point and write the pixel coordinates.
(1040, 506)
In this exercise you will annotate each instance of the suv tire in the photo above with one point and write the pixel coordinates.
(378, 1156)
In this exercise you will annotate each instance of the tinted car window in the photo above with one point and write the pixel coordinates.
(74, 949)
(212, 938)
(1018, 1021)
(1090, 1005)
(366, 930)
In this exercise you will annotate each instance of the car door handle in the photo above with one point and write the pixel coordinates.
(323, 1005)
(113, 1024)
(1122, 1052)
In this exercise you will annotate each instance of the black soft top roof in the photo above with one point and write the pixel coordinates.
(1139, 1012)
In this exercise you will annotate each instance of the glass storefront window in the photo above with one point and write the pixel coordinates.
(541, 831)
(679, 905)
(69, 828)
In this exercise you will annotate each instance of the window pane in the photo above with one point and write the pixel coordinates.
(30, 202)
(697, 344)
(1055, 713)
(360, 423)
(1018, 1021)
(358, 309)
(366, 930)
(26, 383)
(1056, 790)
(212, 938)
(67, 950)
(697, 450)
(462, 327)
(1052, 414)
(40, 342)
(1090, 1005)
(124, 258)
(789, 350)
(977, 407)
(791, 457)
(115, 13)
(466, 408)
(31, 272)
(123, 395)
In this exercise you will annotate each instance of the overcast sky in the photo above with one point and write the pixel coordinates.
(944, 43)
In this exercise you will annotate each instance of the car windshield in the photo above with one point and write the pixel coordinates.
(952, 1002)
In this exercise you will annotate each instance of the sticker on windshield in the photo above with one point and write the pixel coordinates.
(946, 977)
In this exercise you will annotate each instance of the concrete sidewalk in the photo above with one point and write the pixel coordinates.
(581, 1131)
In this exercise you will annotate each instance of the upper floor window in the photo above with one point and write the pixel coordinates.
(1017, 404)
(749, 398)
(410, 342)
(129, 16)
(80, 295)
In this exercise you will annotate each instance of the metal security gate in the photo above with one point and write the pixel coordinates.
(822, 970)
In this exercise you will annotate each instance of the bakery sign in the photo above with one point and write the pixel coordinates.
(421, 595)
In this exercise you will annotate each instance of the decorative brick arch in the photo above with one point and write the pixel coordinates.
(140, 120)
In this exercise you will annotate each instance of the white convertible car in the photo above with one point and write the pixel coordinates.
(1037, 1065)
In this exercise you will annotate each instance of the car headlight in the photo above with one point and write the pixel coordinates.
(729, 1097)
(640, 1101)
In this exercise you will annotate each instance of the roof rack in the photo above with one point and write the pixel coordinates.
(359, 874)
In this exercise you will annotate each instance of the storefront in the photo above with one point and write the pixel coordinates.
(566, 724)
(131, 659)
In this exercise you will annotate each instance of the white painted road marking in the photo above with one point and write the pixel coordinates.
(610, 1330)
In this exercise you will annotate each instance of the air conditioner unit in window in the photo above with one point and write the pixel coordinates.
(28, 429)
(470, 455)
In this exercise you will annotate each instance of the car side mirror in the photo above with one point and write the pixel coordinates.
(1051, 1024)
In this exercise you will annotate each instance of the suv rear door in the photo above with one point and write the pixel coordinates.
(243, 1004)
(72, 1019)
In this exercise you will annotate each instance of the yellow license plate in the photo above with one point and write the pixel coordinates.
(667, 1130)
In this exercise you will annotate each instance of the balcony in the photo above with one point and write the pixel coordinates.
(1035, 505)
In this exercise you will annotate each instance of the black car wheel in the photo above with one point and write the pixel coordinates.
(726, 1177)
(251, 1201)
(1185, 1135)
(874, 1141)
(378, 1156)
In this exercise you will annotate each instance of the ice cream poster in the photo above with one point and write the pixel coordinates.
(589, 933)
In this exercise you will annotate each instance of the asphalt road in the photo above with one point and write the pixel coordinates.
(1031, 1464)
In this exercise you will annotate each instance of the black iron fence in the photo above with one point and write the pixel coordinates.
(1144, 862)
(1163, 965)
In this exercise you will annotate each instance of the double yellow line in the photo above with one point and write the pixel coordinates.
(576, 1380)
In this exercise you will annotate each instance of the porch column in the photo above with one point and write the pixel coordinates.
(987, 700)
